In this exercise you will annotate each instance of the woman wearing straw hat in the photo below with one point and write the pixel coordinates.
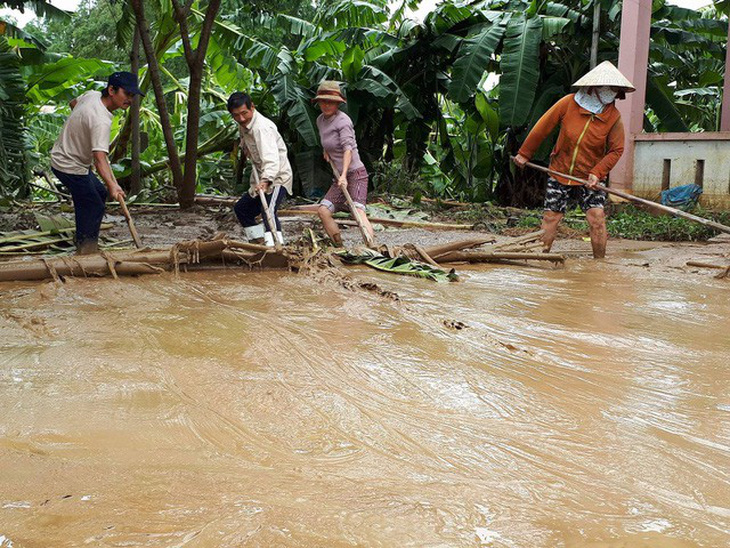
(590, 142)
(337, 136)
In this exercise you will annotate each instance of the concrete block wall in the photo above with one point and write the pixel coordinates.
(666, 160)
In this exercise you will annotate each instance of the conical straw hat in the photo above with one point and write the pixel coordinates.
(605, 74)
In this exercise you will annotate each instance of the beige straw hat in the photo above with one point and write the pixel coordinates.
(329, 90)
(605, 74)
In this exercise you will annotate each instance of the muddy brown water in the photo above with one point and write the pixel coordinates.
(585, 406)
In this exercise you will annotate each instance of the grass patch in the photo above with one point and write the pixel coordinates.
(636, 224)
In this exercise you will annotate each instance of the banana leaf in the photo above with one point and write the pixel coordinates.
(474, 56)
(521, 70)
(397, 265)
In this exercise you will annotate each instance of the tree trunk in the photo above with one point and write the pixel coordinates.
(196, 63)
(154, 71)
(186, 196)
(135, 178)
(596, 33)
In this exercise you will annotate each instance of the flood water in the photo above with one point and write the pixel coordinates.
(585, 406)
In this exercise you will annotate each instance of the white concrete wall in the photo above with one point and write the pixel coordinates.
(683, 150)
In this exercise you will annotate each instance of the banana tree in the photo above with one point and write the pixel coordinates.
(13, 164)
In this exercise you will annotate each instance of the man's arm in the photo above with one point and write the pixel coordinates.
(101, 163)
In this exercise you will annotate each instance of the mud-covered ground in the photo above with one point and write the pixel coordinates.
(161, 227)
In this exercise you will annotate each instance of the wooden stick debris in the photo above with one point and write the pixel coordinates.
(312, 210)
(438, 250)
(707, 265)
(490, 256)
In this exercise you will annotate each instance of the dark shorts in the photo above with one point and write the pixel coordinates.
(357, 186)
(557, 197)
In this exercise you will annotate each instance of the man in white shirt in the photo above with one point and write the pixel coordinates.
(271, 170)
(83, 142)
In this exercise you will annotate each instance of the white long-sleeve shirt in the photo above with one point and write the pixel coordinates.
(266, 149)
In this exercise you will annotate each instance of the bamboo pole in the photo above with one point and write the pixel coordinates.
(436, 251)
(488, 256)
(706, 265)
(139, 262)
(661, 207)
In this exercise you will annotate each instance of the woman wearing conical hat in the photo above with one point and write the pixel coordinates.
(337, 136)
(590, 142)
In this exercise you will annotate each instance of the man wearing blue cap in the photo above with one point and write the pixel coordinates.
(83, 142)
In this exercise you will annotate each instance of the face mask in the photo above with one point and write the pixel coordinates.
(606, 95)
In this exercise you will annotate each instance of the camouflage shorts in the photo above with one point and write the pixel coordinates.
(557, 197)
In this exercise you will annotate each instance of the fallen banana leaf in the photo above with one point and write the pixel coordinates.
(53, 222)
(397, 265)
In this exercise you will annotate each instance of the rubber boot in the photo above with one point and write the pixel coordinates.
(280, 237)
(254, 234)
(268, 239)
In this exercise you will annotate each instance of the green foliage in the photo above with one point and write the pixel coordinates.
(520, 69)
(425, 121)
(90, 33)
(637, 224)
(13, 160)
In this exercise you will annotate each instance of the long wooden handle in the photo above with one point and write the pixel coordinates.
(369, 241)
(666, 209)
(130, 223)
(267, 211)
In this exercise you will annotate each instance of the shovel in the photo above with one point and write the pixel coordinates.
(661, 207)
(130, 223)
(369, 241)
(267, 211)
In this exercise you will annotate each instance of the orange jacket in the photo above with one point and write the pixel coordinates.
(587, 143)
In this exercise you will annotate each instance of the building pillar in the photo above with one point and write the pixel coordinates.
(725, 114)
(633, 60)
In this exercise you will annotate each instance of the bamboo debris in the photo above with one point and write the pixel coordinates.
(380, 221)
(308, 210)
(143, 261)
(490, 256)
(512, 250)
(707, 265)
(436, 251)
(425, 256)
(521, 240)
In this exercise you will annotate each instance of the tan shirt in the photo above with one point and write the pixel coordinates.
(266, 150)
(86, 130)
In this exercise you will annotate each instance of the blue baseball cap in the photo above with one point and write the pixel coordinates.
(125, 80)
